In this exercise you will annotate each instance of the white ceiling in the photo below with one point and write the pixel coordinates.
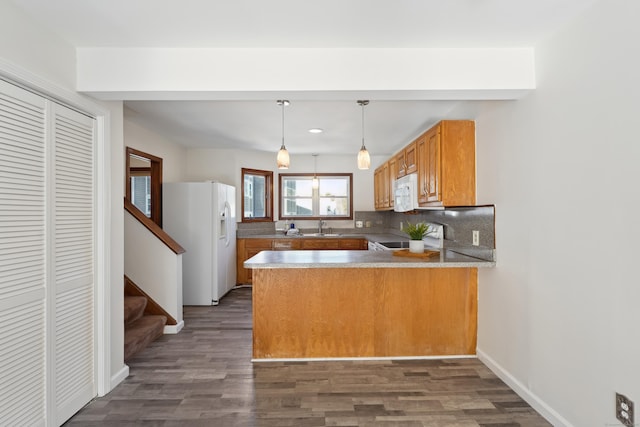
(256, 124)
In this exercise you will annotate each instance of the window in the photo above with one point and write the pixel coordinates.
(141, 193)
(257, 195)
(144, 189)
(331, 200)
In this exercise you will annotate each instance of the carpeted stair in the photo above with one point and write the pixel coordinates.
(140, 329)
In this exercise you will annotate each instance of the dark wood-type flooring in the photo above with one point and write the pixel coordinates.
(203, 376)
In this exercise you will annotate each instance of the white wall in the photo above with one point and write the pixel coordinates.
(119, 370)
(225, 166)
(31, 47)
(144, 139)
(558, 315)
(150, 264)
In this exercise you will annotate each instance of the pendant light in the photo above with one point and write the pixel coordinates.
(283, 154)
(364, 160)
(315, 182)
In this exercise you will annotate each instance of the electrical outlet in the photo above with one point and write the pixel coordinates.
(624, 410)
(401, 226)
(476, 238)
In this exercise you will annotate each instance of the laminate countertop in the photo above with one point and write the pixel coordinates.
(378, 237)
(360, 259)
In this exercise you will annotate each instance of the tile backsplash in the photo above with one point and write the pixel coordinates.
(459, 223)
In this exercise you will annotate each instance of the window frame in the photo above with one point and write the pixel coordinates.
(155, 170)
(268, 183)
(315, 197)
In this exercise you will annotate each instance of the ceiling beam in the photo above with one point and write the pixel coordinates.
(310, 74)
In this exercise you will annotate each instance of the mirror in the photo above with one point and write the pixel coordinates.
(144, 183)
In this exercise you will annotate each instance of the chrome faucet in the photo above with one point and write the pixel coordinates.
(320, 224)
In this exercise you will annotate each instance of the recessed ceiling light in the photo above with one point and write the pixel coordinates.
(315, 130)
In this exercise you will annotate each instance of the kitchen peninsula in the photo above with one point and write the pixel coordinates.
(339, 303)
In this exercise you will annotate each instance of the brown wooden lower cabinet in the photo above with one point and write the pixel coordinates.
(320, 244)
(246, 248)
(364, 312)
(355, 244)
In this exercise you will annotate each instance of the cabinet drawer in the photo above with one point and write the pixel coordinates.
(320, 244)
(286, 245)
(353, 244)
(258, 243)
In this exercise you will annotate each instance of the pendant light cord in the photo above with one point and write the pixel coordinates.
(362, 105)
(364, 160)
(282, 126)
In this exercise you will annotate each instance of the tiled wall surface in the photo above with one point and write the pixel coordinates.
(459, 223)
(246, 229)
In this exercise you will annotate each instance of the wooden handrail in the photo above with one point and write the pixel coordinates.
(153, 228)
(131, 289)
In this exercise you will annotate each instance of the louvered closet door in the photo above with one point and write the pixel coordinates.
(72, 261)
(22, 257)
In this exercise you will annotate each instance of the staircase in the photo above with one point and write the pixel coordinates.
(141, 327)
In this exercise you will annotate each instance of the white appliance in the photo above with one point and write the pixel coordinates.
(433, 239)
(406, 193)
(201, 217)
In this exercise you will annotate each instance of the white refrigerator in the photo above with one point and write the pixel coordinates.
(201, 217)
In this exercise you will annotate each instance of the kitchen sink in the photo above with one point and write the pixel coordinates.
(321, 235)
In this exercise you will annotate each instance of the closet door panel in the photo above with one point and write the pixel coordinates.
(22, 257)
(73, 261)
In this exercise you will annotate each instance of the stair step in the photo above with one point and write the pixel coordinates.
(133, 308)
(142, 332)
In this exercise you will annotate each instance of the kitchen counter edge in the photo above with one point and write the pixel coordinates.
(360, 259)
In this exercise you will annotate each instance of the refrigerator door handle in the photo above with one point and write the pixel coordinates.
(227, 237)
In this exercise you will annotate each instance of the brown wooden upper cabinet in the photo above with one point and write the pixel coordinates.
(391, 179)
(407, 160)
(401, 169)
(384, 178)
(444, 159)
(450, 175)
(411, 158)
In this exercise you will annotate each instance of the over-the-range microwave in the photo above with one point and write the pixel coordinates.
(405, 194)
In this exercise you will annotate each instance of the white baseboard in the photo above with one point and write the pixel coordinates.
(174, 329)
(536, 403)
(119, 377)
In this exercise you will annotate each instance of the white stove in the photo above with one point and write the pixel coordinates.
(433, 240)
